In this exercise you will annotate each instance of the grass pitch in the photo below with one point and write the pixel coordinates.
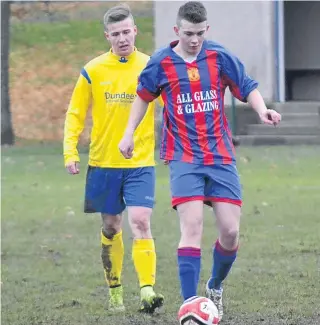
(51, 269)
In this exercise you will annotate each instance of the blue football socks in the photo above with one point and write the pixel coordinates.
(189, 264)
(222, 263)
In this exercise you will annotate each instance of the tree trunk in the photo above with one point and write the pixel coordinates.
(7, 136)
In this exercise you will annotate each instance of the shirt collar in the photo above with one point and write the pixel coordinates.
(123, 59)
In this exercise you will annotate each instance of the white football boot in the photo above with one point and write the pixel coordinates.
(216, 297)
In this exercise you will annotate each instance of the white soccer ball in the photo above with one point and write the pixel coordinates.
(198, 311)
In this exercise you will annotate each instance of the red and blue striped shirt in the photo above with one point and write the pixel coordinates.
(194, 126)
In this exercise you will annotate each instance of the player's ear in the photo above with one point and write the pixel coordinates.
(176, 30)
(208, 27)
(135, 30)
(106, 35)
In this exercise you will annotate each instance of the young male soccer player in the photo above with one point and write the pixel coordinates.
(191, 75)
(114, 183)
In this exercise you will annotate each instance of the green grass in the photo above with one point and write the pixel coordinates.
(51, 270)
(52, 54)
(73, 34)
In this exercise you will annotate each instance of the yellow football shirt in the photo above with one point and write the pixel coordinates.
(109, 84)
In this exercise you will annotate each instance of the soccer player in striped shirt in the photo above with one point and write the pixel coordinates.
(191, 75)
(113, 183)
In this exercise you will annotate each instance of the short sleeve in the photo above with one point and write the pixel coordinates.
(235, 76)
(148, 86)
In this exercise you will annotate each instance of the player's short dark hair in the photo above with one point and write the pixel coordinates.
(193, 12)
(116, 14)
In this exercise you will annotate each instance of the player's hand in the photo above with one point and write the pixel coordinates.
(73, 167)
(270, 117)
(126, 146)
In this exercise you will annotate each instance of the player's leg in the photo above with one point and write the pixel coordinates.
(139, 190)
(189, 249)
(224, 251)
(112, 252)
(104, 195)
(187, 189)
(224, 191)
(226, 246)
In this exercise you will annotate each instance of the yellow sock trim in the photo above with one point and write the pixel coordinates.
(144, 259)
(112, 252)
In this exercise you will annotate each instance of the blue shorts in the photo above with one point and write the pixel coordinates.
(110, 190)
(210, 183)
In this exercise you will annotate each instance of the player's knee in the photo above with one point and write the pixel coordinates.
(232, 233)
(192, 227)
(141, 221)
(230, 236)
(109, 231)
(192, 233)
(191, 220)
(111, 225)
(139, 218)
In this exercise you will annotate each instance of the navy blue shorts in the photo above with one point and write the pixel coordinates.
(210, 183)
(110, 190)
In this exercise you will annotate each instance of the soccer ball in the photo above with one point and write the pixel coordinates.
(198, 311)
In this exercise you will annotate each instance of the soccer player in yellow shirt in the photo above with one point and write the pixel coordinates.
(113, 183)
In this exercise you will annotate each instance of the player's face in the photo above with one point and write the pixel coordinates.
(191, 36)
(121, 36)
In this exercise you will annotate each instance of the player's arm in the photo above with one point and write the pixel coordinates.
(244, 88)
(147, 91)
(267, 116)
(138, 111)
(75, 121)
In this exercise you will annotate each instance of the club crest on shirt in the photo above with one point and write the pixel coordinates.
(193, 74)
